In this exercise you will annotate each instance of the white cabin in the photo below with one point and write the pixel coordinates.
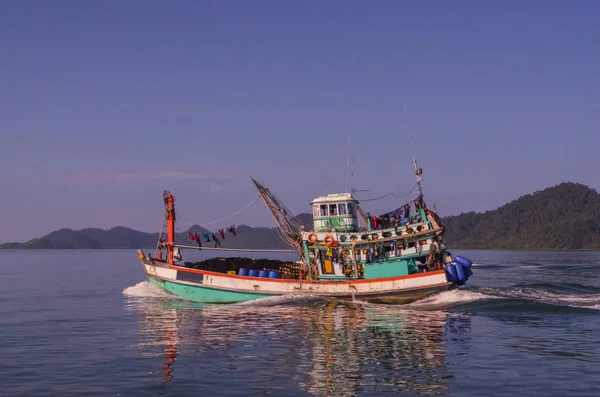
(335, 212)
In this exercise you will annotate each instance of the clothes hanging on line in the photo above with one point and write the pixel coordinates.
(216, 240)
(231, 229)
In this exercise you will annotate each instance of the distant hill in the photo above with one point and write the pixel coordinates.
(566, 216)
(123, 237)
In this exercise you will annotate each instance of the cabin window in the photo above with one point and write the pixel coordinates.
(315, 210)
(333, 209)
(351, 209)
(342, 209)
(323, 209)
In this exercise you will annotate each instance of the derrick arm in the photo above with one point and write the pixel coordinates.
(289, 227)
(363, 216)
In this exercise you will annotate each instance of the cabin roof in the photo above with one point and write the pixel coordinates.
(335, 198)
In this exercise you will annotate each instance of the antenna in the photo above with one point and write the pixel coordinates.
(348, 168)
(324, 165)
(418, 171)
(406, 124)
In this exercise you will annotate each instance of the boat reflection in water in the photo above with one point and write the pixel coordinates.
(325, 348)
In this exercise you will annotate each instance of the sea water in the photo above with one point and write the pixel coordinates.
(85, 322)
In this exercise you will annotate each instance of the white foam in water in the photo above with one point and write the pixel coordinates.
(278, 300)
(448, 298)
(146, 289)
(591, 301)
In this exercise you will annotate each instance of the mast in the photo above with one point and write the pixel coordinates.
(169, 200)
(419, 175)
(289, 227)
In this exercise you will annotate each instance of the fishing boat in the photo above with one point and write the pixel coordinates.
(397, 257)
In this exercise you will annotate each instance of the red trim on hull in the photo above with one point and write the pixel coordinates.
(293, 281)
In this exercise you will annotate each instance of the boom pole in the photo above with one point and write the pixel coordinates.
(289, 227)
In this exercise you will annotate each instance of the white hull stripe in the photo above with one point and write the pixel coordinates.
(284, 286)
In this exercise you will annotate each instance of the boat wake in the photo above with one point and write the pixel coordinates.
(145, 289)
(529, 298)
(520, 298)
(566, 296)
(447, 300)
(282, 300)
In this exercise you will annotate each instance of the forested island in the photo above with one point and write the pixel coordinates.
(565, 216)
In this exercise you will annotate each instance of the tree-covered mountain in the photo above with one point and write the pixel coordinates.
(566, 216)
(123, 237)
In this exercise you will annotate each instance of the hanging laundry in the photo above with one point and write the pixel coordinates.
(374, 222)
(216, 240)
(384, 221)
(231, 229)
(222, 233)
(206, 237)
(194, 237)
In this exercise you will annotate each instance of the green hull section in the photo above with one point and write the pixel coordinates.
(390, 269)
(206, 295)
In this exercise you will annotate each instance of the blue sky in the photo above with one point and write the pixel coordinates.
(105, 104)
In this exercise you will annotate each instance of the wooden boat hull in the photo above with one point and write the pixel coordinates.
(211, 287)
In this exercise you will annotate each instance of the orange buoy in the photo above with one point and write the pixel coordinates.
(329, 240)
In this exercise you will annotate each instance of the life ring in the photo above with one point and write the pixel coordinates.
(353, 238)
(375, 236)
(312, 237)
(409, 230)
(420, 228)
(329, 240)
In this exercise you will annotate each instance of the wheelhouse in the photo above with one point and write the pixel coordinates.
(335, 213)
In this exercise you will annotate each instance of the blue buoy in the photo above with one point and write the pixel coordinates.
(263, 273)
(460, 273)
(273, 274)
(465, 262)
(243, 271)
(253, 273)
(468, 273)
(451, 272)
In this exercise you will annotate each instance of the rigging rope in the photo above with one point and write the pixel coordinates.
(235, 249)
(391, 194)
(223, 219)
